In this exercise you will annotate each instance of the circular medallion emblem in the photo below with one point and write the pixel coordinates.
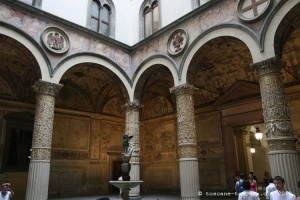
(177, 42)
(55, 40)
(249, 10)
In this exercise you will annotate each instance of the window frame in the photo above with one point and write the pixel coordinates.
(150, 5)
(111, 18)
(35, 3)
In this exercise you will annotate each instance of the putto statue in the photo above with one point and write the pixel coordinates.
(125, 145)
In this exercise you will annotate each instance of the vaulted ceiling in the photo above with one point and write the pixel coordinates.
(217, 66)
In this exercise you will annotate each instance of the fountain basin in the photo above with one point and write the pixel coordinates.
(125, 184)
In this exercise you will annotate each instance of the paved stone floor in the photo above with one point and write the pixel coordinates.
(145, 197)
(152, 197)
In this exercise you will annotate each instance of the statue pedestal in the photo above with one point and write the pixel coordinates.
(125, 186)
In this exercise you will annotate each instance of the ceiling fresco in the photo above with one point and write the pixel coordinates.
(93, 88)
(18, 71)
(153, 91)
(217, 66)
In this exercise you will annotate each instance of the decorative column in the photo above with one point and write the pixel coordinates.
(132, 128)
(187, 143)
(39, 167)
(279, 131)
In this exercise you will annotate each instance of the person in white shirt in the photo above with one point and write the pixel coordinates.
(248, 194)
(280, 193)
(270, 188)
(5, 194)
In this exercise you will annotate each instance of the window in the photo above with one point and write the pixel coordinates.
(151, 18)
(100, 17)
(36, 3)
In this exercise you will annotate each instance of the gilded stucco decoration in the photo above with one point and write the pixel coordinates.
(185, 120)
(275, 109)
(43, 124)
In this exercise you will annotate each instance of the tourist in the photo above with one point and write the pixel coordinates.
(247, 194)
(266, 179)
(280, 193)
(270, 188)
(6, 192)
(253, 183)
(239, 184)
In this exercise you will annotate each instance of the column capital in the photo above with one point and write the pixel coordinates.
(271, 65)
(47, 88)
(240, 132)
(183, 89)
(135, 105)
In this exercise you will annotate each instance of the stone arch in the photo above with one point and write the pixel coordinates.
(155, 60)
(75, 59)
(35, 49)
(247, 36)
(272, 25)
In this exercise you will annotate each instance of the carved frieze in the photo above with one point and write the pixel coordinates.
(188, 151)
(282, 144)
(40, 154)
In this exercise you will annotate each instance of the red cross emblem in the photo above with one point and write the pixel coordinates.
(253, 6)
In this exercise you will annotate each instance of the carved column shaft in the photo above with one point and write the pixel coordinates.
(132, 128)
(187, 142)
(39, 167)
(281, 142)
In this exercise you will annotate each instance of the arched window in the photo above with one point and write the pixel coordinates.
(151, 18)
(100, 17)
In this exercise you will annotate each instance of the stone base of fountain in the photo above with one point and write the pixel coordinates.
(125, 186)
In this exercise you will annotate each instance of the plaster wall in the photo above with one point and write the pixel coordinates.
(71, 10)
(127, 22)
(171, 10)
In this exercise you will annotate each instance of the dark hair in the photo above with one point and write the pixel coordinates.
(271, 180)
(246, 184)
(279, 178)
(251, 173)
(242, 175)
(266, 173)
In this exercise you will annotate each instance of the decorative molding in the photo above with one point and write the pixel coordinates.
(178, 42)
(251, 10)
(55, 40)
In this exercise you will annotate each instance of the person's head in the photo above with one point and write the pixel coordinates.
(250, 175)
(279, 183)
(246, 184)
(271, 180)
(4, 189)
(242, 175)
(266, 173)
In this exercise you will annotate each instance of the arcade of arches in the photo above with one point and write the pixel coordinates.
(201, 124)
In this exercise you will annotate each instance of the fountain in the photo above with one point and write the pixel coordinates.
(125, 184)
